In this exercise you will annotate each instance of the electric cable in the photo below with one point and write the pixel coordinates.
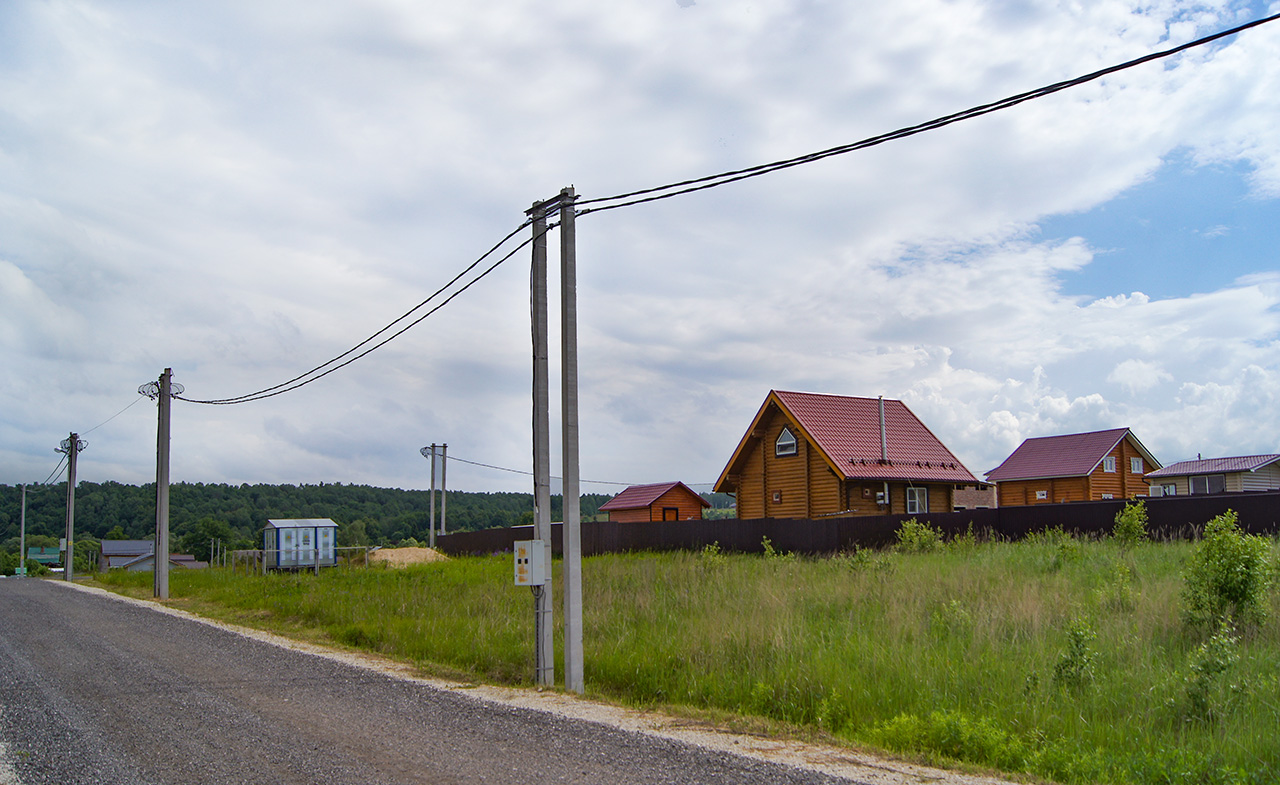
(530, 474)
(56, 471)
(656, 193)
(310, 376)
(112, 417)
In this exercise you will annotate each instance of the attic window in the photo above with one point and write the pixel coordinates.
(786, 444)
(1109, 464)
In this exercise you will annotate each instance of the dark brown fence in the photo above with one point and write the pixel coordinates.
(1168, 518)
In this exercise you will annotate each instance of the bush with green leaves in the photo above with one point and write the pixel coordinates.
(917, 537)
(1131, 525)
(1207, 692)
(1074, 668)
(1228, 576)
(711, 557)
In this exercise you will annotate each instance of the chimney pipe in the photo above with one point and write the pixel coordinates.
(884, 445)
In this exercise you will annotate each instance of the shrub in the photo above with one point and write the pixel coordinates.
(1131, 525)
(773, 553)
(1227, 577)
(1117, 594)
(711, 557)
(1075, 665)
(917, 537)
(1206, 694)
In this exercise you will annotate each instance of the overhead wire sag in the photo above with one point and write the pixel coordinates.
(302, 379)
(712, 181)
(671, 190)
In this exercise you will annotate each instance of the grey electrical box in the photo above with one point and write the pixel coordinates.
(530, 562)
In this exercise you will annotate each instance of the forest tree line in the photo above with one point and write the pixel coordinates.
(237, 514)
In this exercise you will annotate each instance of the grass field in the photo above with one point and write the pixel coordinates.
(1052, 657)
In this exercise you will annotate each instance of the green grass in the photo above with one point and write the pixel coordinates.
(1056, 658)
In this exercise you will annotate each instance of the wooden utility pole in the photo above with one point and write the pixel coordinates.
(570, 493)
(545, 648)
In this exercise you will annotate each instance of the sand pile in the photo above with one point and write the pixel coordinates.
(399, 557)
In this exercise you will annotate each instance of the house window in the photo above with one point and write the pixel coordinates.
(917, 500)
(1208, 483)
(1169, 490)
(786, 444)
(1135, 465)
(1042, 495)
(1109, 464)
(1108, 496)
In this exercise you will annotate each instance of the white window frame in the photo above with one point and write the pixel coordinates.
(1109, 464)
(917, 501)
(1042, 495)
(786, 444)
(1169, 489)
(1135, 465)
(1108, 496)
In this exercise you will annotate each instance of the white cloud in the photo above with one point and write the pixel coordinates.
(242, 192)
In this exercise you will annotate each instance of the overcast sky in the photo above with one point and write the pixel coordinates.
(243, 190)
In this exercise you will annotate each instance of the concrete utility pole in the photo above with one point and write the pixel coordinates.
(22, 535)
(431, 536)
(444, 486)
(163, 392)
(543, 616)
(72, 447)
(571, 496)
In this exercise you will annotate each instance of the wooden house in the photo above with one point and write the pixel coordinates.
(1074, 467)
(300, 542)
(1216, 475)
(664, 501)
(807, 455)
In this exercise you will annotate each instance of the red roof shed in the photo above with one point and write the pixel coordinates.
(664, 501)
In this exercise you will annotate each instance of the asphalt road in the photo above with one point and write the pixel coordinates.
(95, 690)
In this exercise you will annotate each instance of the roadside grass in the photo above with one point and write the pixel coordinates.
(1051, 657)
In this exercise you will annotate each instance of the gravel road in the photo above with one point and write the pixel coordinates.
(97, 689)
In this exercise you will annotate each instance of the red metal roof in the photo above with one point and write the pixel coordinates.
(1069, 455)
(847, 431)
(639, 496)
(1242, 463)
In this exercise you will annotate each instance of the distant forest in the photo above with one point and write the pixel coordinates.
(237, 514)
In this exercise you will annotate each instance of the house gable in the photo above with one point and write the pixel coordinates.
(842, 460)
(1074, 467)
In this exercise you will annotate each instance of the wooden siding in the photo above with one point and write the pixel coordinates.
(1123, 483)
(687, 507)
(803, 485)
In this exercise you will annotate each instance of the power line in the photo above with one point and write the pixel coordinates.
(712, 181)
(671, 190)
(56, 471)
(302, 379)
(530, 474)
(112, 417)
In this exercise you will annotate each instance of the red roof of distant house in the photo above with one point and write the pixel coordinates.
(1243, 463)
(847, 431)
(1069, 455)
(638, 496)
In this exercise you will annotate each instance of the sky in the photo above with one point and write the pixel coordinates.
(241, 191)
